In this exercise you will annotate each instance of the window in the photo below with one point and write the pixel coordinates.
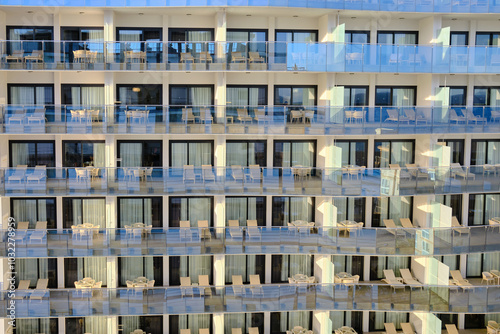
(196, 153)
(283, 37)
(377, 320)
(244, 41)
(380, 263)
(190, 266)
(477, 263)
(395, 96)
(190, 321)
(246, 153)
(198, 38)
(76, 269)
(487, 38)
(285, 266)
(457, 149)
(357, 37)
(474, 321)
(192, 209)
(192, 95)
(246, 208)
(245, 265)
(34, 269)
(391, 208)
(243, 321)
(149, 324)
(354, 152)
(28, 94)
(487, 100)
(85, 325)
(190, 34)
(129, 268)
(28, 39)
(83, 153)
(35, 153)
(37, 325)
(83, 95)
(77, 211)
(350, 208)
(283, 321)
(289, 209)
(458, 96)
(139, 35)
(453, 201)
(485, 152)
(243, 96)
(148, 40)
(139, 94)
(146, 210)
(398, 37)
(352, 319)
(93, 38)
(483, 207)
(294, 153)
(355, 96)
(394, 152)
(459, 38)
(34, 210)
(452, 261)
(295, 95)
(348, 264)
(146, 153)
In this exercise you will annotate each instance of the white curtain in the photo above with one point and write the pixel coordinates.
(403, 97)
(90, 97)
(243, 265)
(291, 319)
(301, 209)
(130, 324)
(492, 207)
(391, 262)
(20, 154)
(198, 265)
(200, 154)
(199, 36)
(401, 153)
(32, 270)
(295, 264)
(478, 210)
(201, 96)
(39, 325)
(179, 154)
(493, 152)
(194, 322)
(236, 209)
(96, 325)
(94, 211)
(131, 154)
(99, 155)
(136, 210)
(237, 96)
(130, 35)
(237, 320)
(236, 154)
(94, 267)
(494, 97)
(474, 265)
(27, 210)
(303, 154)
(22, 95)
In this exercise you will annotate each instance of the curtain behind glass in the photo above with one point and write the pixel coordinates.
(243, 265)
(494, 97)
(236, 209)
(199, 36)
(238, 320)
(38, 325)
(236, 154)
(22, 95)
(401, 153)
(32, 270)
(133, 267)
(295, 264)
(25, 210)
(136, 210)
(194, 322)
(301, 209)
(291, 319)
(130, 324)
(200, 154)
(94, 211)
(94, 267)
(493, 152)
(99, 154)
(237, 96)
(403, 97)
(303, 154)
(96, 325)
(201, 96)
(20, 153)
(131, 154)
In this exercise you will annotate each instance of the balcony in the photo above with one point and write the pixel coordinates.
(439, 6)
(303, 181)
(254, 298)
(295, 120)
(247, 56)
(151, 241)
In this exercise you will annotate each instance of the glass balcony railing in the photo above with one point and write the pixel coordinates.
(257, 298)
(305, 181)
(152, 241)
(230, 119)
(248, 56)
(439, 6)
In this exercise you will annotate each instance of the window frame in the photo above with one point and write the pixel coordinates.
(36, 142)
(160, 198)
(234, 141)
(143, 142)
(392, 88)
(64, 142)
(67, 202)
(291, 87)
(394, 32)
(170, 142)
(33, 86)
(366, 32)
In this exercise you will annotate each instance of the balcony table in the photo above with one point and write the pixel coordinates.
(496, 275)
(345, 330)
(339, 277)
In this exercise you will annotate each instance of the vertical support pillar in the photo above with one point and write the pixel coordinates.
(57, 37)
(220, 96)
(267, 323)
(109, 97)
(327, 24)
(60, 272)
(57, 96)
(165, 26)
(322, 324)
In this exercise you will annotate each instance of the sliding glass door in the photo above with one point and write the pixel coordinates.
(193, 322)
(294, 153)
(246, 208)
(192, 209)
(32, 153)
(77, 211)
(76, 269)
(391, 208)
(84, 153)
(379, 263)
(246, 153)
(281, 322)
(243, 321)
(348, 264)
(350, 208)
(244, 266)
(147, 153)
(354, 152)
(485, 152)
(82, 38)
(289, 209)
(146, 210)
(285, 266)
(149, 324)
(130, 268)
(483, 207)
(35, 269)
(190, 266)
(39, 325)
(399, 152)
(34, 210)
(141, 39)
(195, 153)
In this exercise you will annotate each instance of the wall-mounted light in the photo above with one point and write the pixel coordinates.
(136, 89)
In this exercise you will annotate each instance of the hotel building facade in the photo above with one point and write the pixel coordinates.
(250, 166)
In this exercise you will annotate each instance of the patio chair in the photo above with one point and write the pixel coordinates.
(22, 289)
(237, 285)
(237, 173)
(495, 115)
(208, 174)
(185, 230)
(253, 230)
(38, 174)
(414, 116)
(458, 280)
(457, 170)
(416, 172)
(296, 115)
(18, 175)
(402, 173)
(186, 331)
(187, 115)
(471, 117)
(243, 116)
(407, 328)
(235, 330)
(237, 57)
(391, 226)
(406, 223)
(457, 227)
(204, 331)
(40, 289)
(395, 117)
(17, 55)
(186, 287)
(253, 330)
(40, 232)
(451, 329)
(36, 55)
(455, 118)
(189, 174)
(488, 277)
(204, 282)
(390, 328)
(204, 229)
(234, 229)
(255, 173)
(392, 280)
(205, 57)
(409, 279)
(256, 286)
(186, 57)
(254, 57)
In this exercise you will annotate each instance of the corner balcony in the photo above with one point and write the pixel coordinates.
(255, 298)
(261, 119)
(247, 56)
(253, 180)
(438, 6)
(152, 241)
